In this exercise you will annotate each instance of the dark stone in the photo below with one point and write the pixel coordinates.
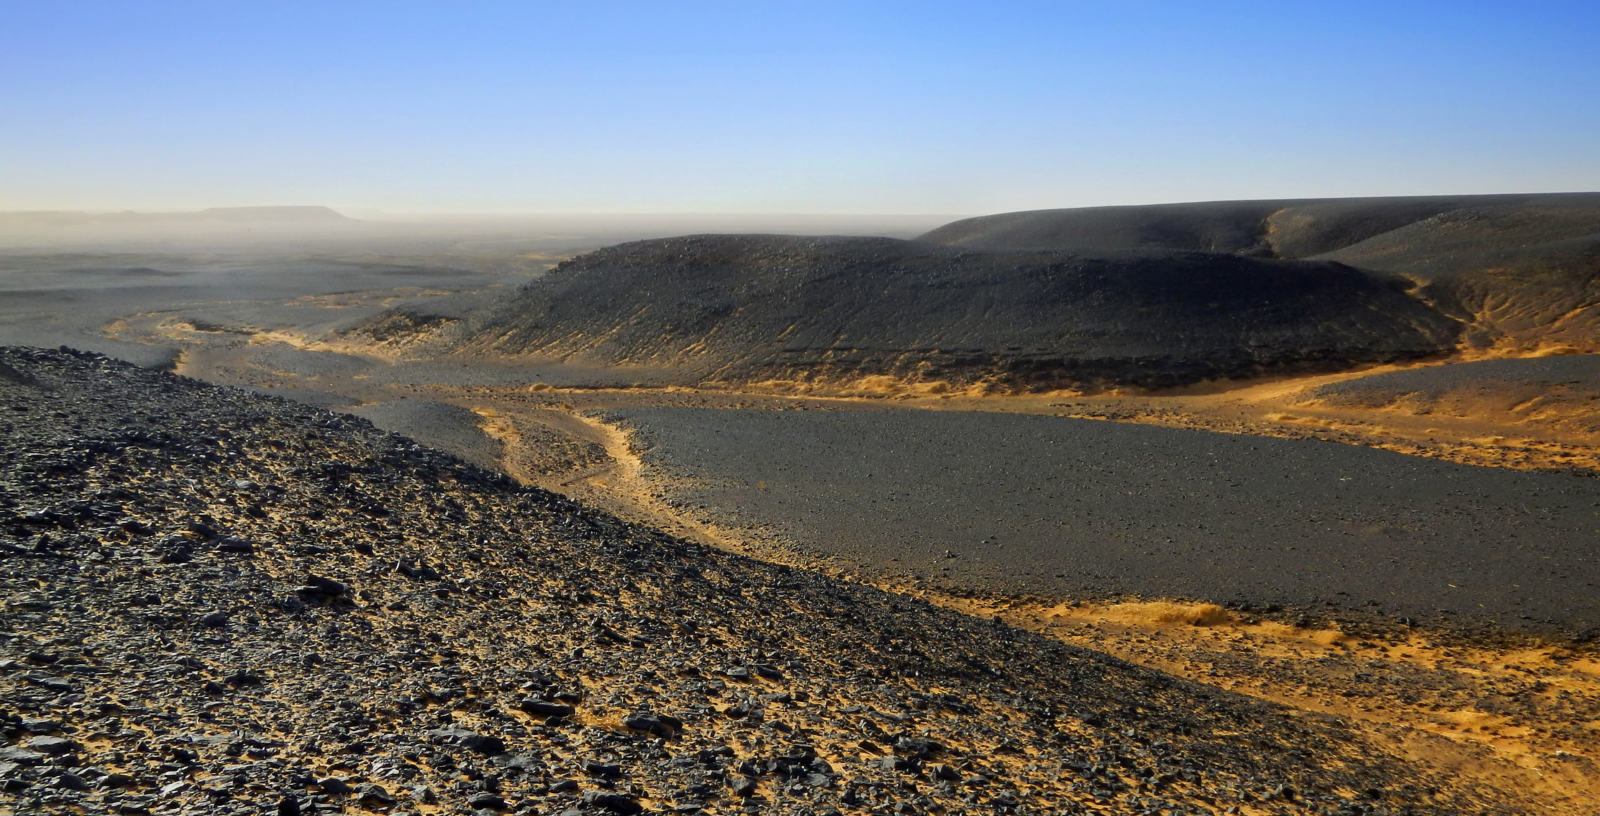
(612, 802)
(604, 770)
(40, 726)
(542, 708)
(370, 794)
(236, 545)
(132, 525)
(52, 745)
(918, 747)
(470, 740)
(325, 587)
(490, 801)
(335, 786)
(244, 678)
(658, 725)
(896, 763)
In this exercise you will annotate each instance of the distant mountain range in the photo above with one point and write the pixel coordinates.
(214, 216)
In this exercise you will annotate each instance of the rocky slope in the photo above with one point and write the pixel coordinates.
(753, 308)
(1523, 271)
(1286, 228)
(1560, 393)
(222, 603)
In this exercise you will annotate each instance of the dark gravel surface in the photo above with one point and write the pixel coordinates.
(1011, 503)
(216, 602)
(437, 425)
(1581, 371)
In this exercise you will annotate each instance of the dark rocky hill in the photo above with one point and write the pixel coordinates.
(217, 602)
(1522, 270)
(768, 307)
(1287, 228)
(1521, 277)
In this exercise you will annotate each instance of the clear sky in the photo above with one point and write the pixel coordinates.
(765, 106)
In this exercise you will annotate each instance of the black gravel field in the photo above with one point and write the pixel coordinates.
(1010, 504)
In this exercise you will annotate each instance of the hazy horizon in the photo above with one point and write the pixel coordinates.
(623, 108)
(356, 213)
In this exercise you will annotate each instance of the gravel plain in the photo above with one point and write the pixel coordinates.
(1007, 504)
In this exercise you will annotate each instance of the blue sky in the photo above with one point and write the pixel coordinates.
(856, 107)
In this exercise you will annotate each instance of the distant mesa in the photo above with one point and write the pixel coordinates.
(213, 218)
(281, 214)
